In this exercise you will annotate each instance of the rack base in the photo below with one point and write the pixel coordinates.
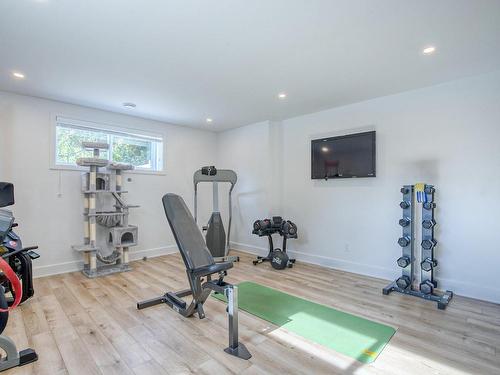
(441, 299)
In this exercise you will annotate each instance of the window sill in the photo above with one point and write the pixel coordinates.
(80, 169)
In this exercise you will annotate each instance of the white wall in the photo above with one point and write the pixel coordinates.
(246, 150)
(445, 135)
(3, 150)
(49, 203)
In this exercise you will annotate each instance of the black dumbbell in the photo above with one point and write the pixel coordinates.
(428, 224)
(261, 224)
(404, 222)
(404, 241)
(288, 228)
(403, 261)
(426, 287)
(429, 205)
(429, 244)
(404, 204)
(405, 190)
(429, 190)
(428, 264)
(403, 282)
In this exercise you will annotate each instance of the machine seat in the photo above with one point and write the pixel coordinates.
(211, 269)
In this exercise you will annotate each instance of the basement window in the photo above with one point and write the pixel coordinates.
(141, 149)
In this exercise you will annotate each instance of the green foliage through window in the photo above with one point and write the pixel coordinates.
(135, 152)
(142, 152)
(69, 144)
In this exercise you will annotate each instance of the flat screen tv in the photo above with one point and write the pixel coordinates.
(346, 156)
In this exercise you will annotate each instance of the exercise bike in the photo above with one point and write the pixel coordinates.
(215, 235)
(16, 279)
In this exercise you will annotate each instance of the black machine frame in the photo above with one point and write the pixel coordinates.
(19, 259)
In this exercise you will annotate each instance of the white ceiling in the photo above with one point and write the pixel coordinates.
(183, 61)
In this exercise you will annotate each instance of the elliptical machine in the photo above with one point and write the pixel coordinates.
(16, 279)
(278, 257)
(215, 235)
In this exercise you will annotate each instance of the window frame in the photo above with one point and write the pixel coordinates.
(107, 128)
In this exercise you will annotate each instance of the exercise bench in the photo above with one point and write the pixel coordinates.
(200, 266)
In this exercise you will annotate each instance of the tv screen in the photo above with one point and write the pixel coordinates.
(346, 156)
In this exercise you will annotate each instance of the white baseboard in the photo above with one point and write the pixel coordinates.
(77, 265)
(152, 253)
(466, 289)
(338, 264)
(459, 287)
(256, 250)
(55, 269)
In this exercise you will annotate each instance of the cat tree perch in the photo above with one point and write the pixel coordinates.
(107, 233)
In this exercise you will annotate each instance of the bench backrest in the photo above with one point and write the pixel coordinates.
(189, 239)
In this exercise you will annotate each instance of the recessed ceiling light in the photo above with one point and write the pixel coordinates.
(209, 120)
(324, 149)
(18, 75)
(129, 105)
(282, 95)
(429, 50)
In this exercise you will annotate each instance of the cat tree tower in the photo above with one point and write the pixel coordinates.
(107, 233)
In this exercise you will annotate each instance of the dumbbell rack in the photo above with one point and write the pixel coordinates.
(406, 282)
(274, 226)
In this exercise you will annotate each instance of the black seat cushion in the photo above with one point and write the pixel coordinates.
(211, 269)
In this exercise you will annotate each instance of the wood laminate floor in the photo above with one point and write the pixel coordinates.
(83, 326)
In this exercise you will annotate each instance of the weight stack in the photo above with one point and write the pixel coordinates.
(428, 262)
(406, 240)
(405, 283)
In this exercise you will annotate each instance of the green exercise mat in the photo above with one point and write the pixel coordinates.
(356, 337)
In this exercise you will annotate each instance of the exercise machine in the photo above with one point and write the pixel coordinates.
(215, 235)
(200, 266)
(16, 283)
(410, 282)
(278, 257)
